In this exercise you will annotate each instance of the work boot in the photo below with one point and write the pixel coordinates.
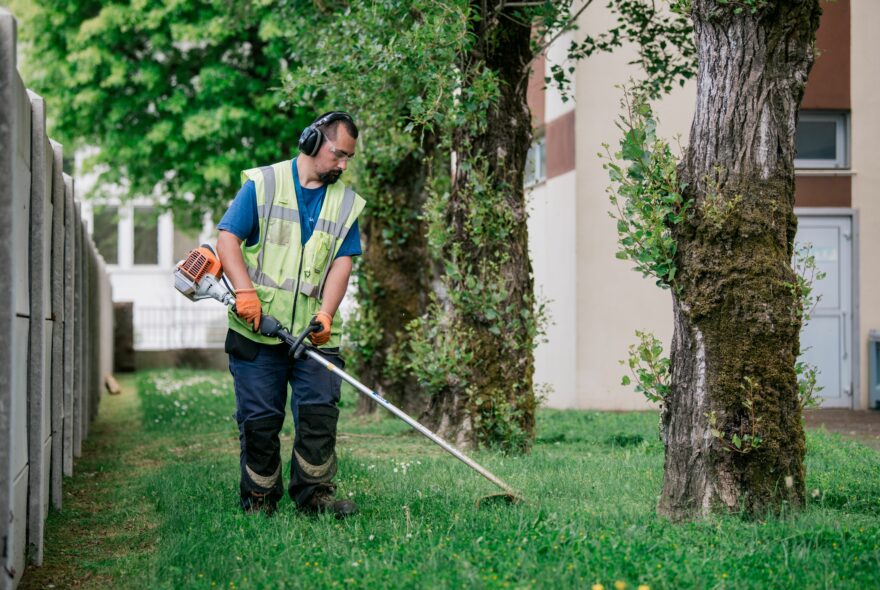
(257, 503)
(323, 500)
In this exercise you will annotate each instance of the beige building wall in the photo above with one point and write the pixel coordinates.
(613, 300)
(866, 179)
(553, 231)
(596, 301)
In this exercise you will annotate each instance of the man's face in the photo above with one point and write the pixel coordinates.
(332, 159)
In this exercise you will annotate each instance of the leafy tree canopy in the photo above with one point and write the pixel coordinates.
(178, 96)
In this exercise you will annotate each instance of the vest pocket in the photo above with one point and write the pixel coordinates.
(279, 232)
(266, 295)
(321, 257)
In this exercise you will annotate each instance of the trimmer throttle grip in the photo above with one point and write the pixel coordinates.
(269, 326)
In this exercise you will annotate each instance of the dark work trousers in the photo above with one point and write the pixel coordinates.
(261, 399)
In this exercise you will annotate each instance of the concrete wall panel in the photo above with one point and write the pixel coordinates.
(79, 327)
(57, 314)
(8, 71)
(16, 518)
(21, 183)
(15, 155)
(70, 351)
(15, 563)
(108, 317)
(51, 361)
(41, 162)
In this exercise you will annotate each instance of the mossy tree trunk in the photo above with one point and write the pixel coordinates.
(488, 307)
(395, 276)
(736, 309)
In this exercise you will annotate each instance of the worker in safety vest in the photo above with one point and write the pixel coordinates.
(286, 244)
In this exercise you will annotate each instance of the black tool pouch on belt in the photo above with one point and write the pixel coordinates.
(314, 447)
(241, 347)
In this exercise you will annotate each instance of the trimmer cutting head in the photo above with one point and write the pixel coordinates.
(496, 499)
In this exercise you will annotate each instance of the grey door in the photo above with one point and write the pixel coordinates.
(826, 341)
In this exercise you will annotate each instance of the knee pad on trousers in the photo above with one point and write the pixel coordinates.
(262, 465)
(314, 447)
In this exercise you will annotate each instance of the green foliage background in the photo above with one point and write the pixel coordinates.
(178, 96)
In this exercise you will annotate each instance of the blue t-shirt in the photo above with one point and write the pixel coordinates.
(241, 218)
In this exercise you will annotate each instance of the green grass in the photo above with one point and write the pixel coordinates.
(154, 505)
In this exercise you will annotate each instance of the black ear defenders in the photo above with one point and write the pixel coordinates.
(311, 138)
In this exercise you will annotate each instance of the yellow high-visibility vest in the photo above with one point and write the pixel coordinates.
(289, 276)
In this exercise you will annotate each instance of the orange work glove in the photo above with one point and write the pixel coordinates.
(247, 306)
(323, 336)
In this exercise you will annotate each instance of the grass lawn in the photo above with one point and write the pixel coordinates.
(154, 504)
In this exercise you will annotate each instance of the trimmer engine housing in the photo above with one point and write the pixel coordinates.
(197, 276)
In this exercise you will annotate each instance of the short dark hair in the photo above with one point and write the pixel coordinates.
(330, 128)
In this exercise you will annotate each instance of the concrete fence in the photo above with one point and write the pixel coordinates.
(56, 320)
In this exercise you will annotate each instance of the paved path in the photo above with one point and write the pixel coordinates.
(863, 425)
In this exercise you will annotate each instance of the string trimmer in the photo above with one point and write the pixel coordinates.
(198, 277)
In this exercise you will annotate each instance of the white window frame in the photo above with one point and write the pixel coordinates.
(125, 240)
(841, 121)
(539, 172)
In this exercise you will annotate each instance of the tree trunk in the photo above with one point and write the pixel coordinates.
(488, 309)
(395, 276)
(732, 424)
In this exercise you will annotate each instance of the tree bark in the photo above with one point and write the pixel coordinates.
(736, 305)
(395, 276)
(494, 403)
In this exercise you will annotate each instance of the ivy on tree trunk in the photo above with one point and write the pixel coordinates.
(736, 305)
(484, 323)
(394, 278)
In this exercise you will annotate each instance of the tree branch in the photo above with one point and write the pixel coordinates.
(558, 34)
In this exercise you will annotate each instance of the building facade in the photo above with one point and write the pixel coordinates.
(596, 302)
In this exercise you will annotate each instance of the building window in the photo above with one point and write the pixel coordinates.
(105, 233)
(536, 163)
(821, 140)
(146, 236)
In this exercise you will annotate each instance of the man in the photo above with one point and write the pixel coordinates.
(286, 244)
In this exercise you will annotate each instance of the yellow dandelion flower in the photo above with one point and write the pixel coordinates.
(620, 585)
(644, 587)
(598, 587)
